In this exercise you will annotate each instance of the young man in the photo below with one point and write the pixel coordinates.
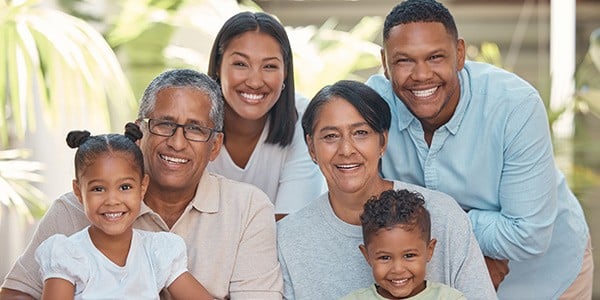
(481, 134)
(228, 226)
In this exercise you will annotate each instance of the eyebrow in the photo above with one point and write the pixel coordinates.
(352, 126)
(248, 57)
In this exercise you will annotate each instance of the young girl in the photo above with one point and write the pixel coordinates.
(251, 59)
(109, 259)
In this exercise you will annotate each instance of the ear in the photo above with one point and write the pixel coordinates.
(384, 141)
(216, 146)
(311, 147)
(383, 63)
(365, 253)
(77, 191)
(430, 248)
(460, 54)
(145, 182)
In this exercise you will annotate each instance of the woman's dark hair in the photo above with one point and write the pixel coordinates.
(396, 207)
(367, 102)
(90, 147)
(283, 114)
(413, 11)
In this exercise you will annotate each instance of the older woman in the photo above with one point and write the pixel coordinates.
(346, 129)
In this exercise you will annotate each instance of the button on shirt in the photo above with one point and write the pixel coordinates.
(495, 157)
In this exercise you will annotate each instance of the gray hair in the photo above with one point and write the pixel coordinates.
(184, 78)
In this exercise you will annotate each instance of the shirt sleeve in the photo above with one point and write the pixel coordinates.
(256, 273)
(59, 257)
(300, 180)
(170, 256)
(64, 217)
(522, 227)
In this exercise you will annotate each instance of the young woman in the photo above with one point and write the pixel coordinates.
(251, 59)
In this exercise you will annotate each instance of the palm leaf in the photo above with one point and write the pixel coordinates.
(53, 64)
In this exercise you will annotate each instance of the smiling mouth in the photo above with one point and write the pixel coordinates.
(173, 160)
(399, 282)
(253, 97)
(113, 215)
(424, 93)
(347, 166)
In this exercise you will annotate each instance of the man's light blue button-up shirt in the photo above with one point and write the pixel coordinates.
(495, 157)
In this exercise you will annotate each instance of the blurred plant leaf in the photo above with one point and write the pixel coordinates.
(17, 184)
(53, 64)
(325, 55)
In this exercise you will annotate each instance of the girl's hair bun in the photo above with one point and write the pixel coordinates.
(133, 131)
(77, 137)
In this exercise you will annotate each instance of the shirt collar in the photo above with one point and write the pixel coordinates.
(405, 117)
(206, 198)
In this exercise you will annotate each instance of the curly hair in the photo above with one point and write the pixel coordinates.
(396, 207)
(413, 11)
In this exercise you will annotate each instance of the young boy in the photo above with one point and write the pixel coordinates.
(397, 246)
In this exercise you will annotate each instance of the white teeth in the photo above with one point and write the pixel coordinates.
(174, 159)
(347, 166)
(399, 281)
(113, 215)
(252, 96)
(424, 93)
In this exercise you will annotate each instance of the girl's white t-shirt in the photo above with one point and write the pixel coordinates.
(154, 261)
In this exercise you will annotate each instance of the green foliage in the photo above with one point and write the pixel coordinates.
(325, 55)
(53, 64)
(17, 184)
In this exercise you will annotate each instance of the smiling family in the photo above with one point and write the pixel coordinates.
(434, 180)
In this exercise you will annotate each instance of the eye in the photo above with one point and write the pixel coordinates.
(126, 187)
(384, 257)
(164, 124)
(97, 189)
(331, 137)
(436, 57)
(272, 66)
(402, 60)
(239, 64)
(410, 256)
(361, 133)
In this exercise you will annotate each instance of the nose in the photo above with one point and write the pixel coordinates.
(421, 71)
(255, 79)
(398, 266)
(346, 147)
(177, 141)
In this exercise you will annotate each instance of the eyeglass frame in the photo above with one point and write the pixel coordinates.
(183, 127)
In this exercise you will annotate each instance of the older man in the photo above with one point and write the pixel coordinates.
(228, 226)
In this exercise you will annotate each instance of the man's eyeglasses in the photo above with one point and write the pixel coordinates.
(191, 132)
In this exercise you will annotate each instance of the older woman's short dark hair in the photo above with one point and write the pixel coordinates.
(367, 102)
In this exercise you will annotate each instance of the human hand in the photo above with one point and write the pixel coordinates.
(498, 269)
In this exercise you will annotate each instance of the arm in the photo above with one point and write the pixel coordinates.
(256, 272)
(522, 228)
(10, 294)
(187, 287)
(58, 289)
(63, 216)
